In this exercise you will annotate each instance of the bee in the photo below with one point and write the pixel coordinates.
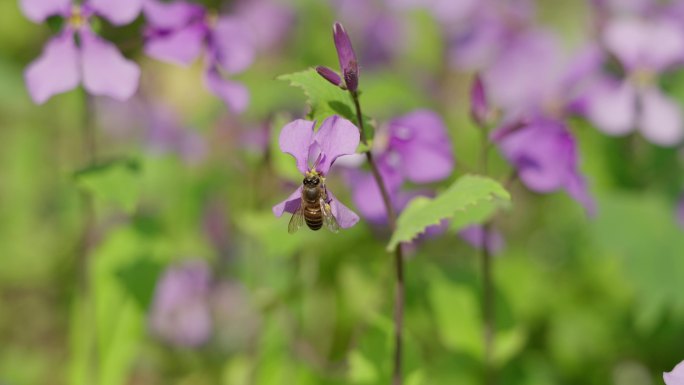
(314, 209)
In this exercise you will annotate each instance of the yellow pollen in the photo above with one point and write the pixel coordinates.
(76, 19)
(643, 77)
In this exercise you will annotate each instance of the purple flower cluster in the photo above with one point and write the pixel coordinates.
(94, 62)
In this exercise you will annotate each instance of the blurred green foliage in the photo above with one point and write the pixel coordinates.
(579, 300)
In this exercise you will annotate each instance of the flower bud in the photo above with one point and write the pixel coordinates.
(348, 64)
(329, 75)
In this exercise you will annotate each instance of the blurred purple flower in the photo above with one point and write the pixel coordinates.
(544, 154)
(479, 106)
(475, 236)
(679, 214)
(94, 62)
(166, 135)
(316, 153)
(268, 21)
(645, 48)
(180, 313)
(676, 376)
(413, 147)
(177, 32)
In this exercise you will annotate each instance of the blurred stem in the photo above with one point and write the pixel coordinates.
(487, 278)
(398, 253)
(89, 139)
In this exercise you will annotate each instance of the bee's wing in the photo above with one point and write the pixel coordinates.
(297, 220)
(328, 218)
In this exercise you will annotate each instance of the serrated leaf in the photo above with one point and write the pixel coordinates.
(470, 200)
(114, 183)
(325, 99)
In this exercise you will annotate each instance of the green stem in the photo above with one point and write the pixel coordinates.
(399, 290)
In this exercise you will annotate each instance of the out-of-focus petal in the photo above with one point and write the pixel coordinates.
(55, 71)
(336, 137)
(366, 193)
(105, 70)
(676, 376)
(661, 118)
(181, 46)
(118, 12)
(652, 45)
(612, 106)
(39, 10)
(679, 212)
(231, 45)
(269, 22)
(235, 95)
(345, 52)
(542, 153)
(475, 236)
(180, 311)
(421, 141)
(295, 139)
(345, 217)
(577, 188)
(290, 204)
(172, 15)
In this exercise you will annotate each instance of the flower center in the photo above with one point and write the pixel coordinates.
(643, 77)
(77, 19)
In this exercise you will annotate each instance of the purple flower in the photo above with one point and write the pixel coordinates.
(348, 63)
(645, 48)
(545, 155)
(413, 147)
(679, 214)
(180, 313)
(177, 32)
(94, 62)
(676, 376)
(268, 21)
(475, 236)
(315, 153)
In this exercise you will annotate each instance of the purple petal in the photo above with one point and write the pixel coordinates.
(336, 137)
(543, 153)
(105, 70)
(329, 75)
(676, 376)
(55, 71)
(366, 193)
(421, 141)
(475, 236)
(345, 217)
(612, 107)
(290, 204)
(235, 95)
(479, 108)
(578, 190)
(295, 139)
(645, 45)
(118, 12)
(345, 52)
(661, 118)
(679, 213)
(180, 47)
(180, 310)
(269, 22)
(231, 45)
(172, 15)
(39, 10)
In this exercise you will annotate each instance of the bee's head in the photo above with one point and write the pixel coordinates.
(311, 180)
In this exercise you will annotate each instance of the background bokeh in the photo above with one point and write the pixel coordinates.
(183, 207)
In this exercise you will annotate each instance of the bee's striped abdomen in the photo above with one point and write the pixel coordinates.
(313, 217)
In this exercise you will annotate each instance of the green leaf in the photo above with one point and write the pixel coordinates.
(325, 99)
(114, 183)
(361, 369)
(470, 200)
(139, 279)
